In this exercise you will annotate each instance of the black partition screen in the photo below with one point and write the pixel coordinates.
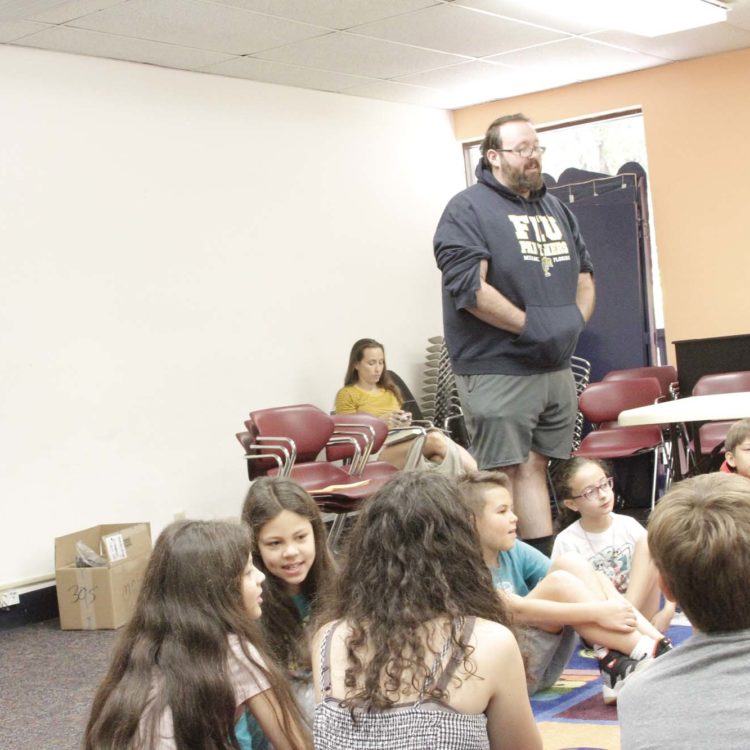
(612, 213)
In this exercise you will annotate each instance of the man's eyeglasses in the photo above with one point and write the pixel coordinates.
(596, 491)
(525, 152)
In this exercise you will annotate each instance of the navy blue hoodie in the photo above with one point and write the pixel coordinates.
(535, 254)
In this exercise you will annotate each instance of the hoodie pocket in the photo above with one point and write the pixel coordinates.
(549, 336)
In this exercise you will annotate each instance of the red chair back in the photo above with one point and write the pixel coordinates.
(723, 382)
(666, 375)
(305, 424)
(603, 401)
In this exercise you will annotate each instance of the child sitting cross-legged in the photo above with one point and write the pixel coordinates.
(615, 544)
(553, 601)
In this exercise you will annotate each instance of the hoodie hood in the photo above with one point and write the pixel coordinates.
(485, 177)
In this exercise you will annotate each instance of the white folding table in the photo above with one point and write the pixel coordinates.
(710, 408)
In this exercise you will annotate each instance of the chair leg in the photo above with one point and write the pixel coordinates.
(336, 529)
(655, 477)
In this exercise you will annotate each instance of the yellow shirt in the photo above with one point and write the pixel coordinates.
(351, 399)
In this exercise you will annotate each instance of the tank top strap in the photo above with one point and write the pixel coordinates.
(325, 658)
(457, 657)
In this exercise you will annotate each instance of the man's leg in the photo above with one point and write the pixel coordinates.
(552, 435)
(531, 497)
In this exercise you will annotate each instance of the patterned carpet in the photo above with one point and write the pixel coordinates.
(572, 714)
(48, 677)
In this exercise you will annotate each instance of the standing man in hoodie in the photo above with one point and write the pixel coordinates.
(518, 289)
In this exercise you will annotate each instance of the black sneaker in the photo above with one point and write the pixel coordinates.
(662, 646)
(615, 668)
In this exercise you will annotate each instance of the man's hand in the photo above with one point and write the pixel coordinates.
(494, 308)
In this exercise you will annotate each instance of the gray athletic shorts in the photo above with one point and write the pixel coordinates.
(509, 415)
(546, 655)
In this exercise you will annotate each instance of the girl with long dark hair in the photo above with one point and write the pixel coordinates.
(289, 547)
(417, 652)
(369, 388)
(189, 669)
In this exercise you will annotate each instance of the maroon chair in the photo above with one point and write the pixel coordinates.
(601, 404)
(260, 459)
(711, 435)
(665, 374)
(303, 432)
(675, 435)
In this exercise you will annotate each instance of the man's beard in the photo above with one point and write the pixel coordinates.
(519, 180)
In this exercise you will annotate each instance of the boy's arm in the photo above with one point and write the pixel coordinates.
(612, 614)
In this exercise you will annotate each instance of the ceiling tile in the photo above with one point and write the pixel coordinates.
(12, 30)
(577, 59)
(475, 82)
(527, 10)
(334, 14)
(402, 93)
(682, 45)
(63, 12)
(458, 30)
(357, 55)
(430, 47)
(194, 23)
(286, 75)
(17, 10)
(84, 42)
(463, 74)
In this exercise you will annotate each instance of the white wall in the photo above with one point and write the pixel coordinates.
(178, 249)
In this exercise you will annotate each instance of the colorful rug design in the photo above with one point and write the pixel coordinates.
(572, 713)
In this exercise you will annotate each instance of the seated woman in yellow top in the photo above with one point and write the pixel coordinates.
(368, 388)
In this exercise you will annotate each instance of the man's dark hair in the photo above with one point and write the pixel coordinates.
(492, 138)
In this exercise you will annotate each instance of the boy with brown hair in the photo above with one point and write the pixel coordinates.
(737, 448)
(697, 696)
(553, 601)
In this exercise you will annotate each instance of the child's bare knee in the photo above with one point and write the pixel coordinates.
(563, 583)
(571, 562)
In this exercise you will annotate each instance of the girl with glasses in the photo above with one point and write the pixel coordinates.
(613, 543)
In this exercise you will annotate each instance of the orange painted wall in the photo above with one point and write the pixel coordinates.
(697, 122)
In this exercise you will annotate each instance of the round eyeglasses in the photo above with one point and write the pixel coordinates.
(593, 493)
(525, 152)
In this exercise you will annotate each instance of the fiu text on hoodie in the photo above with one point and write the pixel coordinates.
(535, 254)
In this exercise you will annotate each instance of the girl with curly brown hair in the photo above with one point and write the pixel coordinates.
(417, 653)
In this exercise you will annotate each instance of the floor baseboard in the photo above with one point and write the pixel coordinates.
(33, 606)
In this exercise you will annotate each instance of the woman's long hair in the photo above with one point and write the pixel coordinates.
(190, 602)
(355, 357)
(561, 484)
(281, 621)
(412, 558)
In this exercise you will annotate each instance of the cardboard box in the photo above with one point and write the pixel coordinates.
(101, 598)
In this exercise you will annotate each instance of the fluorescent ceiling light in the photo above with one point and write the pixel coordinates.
(642, 17)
